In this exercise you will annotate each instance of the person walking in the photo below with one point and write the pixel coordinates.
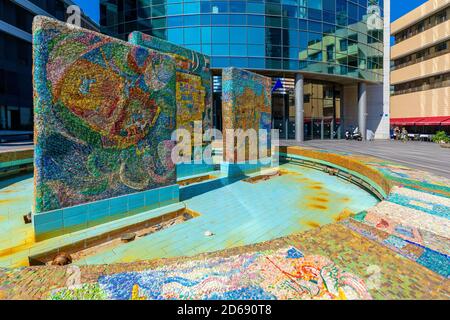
(404, 135)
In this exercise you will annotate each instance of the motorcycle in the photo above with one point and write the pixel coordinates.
(353, 135)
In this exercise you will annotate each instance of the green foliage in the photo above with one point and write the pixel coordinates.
(86, 291)
(441, 137)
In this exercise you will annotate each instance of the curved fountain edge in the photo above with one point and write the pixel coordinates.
(386, 174)
(381, 184)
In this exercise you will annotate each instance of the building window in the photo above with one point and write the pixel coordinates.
(433, 82)
(423, 25)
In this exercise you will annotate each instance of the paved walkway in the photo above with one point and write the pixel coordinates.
(424, 156)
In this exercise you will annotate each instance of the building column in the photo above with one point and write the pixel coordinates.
(384, 131)
(342, 126)
(322, 128)
(299, 111)
(362, 109)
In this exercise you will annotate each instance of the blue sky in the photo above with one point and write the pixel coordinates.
(90, 8)
(398, 7)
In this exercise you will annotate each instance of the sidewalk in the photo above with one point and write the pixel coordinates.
(426, 156)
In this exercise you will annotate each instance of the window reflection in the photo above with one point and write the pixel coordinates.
(339, 37)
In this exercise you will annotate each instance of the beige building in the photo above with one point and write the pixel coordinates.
(420, 74)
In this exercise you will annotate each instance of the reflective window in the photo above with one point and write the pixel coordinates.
(256, 35)
(256, 50)
(191, 35)
(220, 34)
(323, 36)
(173, 9)
(255, 20)
(192, 8)
(238, 35)
(191, 20)
(238, 50)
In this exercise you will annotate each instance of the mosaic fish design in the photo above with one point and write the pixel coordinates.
(104, 114)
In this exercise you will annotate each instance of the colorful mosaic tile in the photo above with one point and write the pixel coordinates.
(431, 259)
(104, 114)
(276, 274)
(246, 104)
(418, 204)
(194, 89)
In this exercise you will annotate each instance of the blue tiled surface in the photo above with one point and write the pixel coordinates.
(55, 225)
(241, 213)
(83, 216)
(48, 217)
(191, 169)
(136, 201)
(240, 169)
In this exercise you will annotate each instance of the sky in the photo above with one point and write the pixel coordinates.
(90, 7)
(398, 7)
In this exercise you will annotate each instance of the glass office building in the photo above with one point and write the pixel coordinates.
(16, 90)
(314, 47)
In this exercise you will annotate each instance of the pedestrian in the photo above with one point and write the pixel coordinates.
(397, 133)
(404, 135)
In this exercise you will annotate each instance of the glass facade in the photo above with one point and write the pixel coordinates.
(322, 110)
(16, 90)
(334, 37)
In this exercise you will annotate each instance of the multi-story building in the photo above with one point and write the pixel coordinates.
(327, 54)
(16, 94)
(420, 75)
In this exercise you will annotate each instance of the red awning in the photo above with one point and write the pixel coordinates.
(424, 121)
(446, 122)
(434, 121)
(405, 121)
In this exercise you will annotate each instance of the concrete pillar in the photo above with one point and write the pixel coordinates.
(332, 129)
(362, 109)
(384, 130)
(342, 126)
(299, 111)
(322, 129)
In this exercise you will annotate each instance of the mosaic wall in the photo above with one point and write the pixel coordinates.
(194, 90)
(246, 104)
(104, 114)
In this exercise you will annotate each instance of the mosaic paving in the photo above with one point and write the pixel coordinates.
(324, 263)
(103, 110)
(283, 274)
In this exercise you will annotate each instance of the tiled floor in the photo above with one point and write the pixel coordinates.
(15, 202)
(237, 212)
(240, 213)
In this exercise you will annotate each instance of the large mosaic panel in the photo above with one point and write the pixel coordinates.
(104, 114)
(194, 90)
(246, 104)
(285, 273)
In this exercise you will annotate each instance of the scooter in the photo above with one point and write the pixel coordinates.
(355, 135)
